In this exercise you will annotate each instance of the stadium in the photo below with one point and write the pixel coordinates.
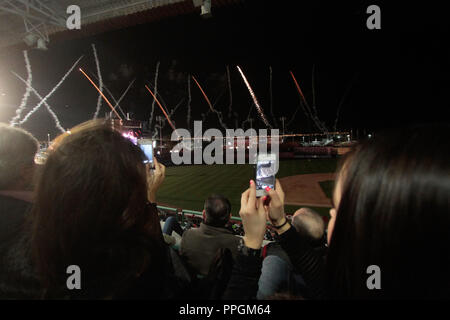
(154, 127)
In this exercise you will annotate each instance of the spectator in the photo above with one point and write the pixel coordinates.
(17, 168)
(200, 245)
(278, 274)
(391, 211)
(95, 208)
(17, 151)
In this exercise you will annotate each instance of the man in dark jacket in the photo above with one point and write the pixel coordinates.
(199, 246)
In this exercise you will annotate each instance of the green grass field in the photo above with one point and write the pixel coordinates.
(187, 187)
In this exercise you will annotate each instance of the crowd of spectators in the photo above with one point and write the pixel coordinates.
(93, 204)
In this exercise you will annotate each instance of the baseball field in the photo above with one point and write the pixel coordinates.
(306, 182)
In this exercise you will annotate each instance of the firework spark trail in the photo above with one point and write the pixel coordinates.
(53, 114)
(324, 128)
(162, 109)
(25, 97)
(156, 92)
(313, 91)
(100, 80)
(255, 100)
(176, 107)
(101, 93)
(124, 94)
(248, 117)
(219, 115)
(292, 118)
(160, 97)
(155, 131)
(305, 104)
(230, 111)
(189, 103)
(50, 93)
(112, 97)
(343, 99)
(172, 112)
(271, 98)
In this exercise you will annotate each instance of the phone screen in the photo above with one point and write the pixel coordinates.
(147, 147)
(265, 173)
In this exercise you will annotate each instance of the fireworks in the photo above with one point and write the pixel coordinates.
(162, 109)
(219, 115)
(44, 100)
(100, 81)
(52, 113)
(230, 111)
(101, 93)
(123, 95)
(23, 103)
(189, 102)
(255, 100)
(112, 97)
(308, 112)
(271, 97)
(156, 92)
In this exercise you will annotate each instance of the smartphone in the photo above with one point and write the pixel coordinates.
(265, 173)
(146, 145)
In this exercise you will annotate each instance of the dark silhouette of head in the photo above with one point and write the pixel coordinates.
(17, 151)
(393, 211)
(309, 224)
(91, 210)
(217, 211)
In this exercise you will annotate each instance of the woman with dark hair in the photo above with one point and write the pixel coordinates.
(94, 209)
(391, 221)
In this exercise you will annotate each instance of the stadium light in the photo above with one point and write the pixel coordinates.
(41, 44)
(30, 39)
(205, 7)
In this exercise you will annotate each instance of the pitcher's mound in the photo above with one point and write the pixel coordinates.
(304, 189)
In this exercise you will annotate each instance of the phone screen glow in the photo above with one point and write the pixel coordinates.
(265, 174)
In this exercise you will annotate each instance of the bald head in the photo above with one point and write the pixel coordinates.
(308, 223)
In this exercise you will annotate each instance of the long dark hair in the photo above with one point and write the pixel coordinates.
(394, 213)
(91, 210)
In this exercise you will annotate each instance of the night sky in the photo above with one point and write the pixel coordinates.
(395, 76)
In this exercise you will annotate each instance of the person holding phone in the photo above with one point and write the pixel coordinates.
(390, 213)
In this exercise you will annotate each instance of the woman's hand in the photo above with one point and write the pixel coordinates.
(275, 207)
(254, 217)
(154, 179)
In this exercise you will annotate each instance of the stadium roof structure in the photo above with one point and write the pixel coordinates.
(35, 21)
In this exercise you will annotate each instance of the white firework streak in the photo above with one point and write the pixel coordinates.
(25, 97)
(155, 131)
(175, 108)
(255, 100)
(123, 95)
(160, 98)
(112, 97)
(305, 104)
(44, 100)
(292, 118)
(156, 93)
(171, 113)
(52, 113)
(248, 117)
(100, 82)
(271, 98)
(343, 99)
(313, 92)
(219, 114)
(230, 111)
(189, 103)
